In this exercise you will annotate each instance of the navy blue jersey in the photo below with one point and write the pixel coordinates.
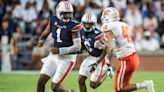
(62, 33)
(92, 36)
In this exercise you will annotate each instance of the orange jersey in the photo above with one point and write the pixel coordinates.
(122, 43)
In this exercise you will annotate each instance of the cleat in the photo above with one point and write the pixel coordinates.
(149, 85)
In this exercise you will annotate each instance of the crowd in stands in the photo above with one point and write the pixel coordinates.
(22, 22)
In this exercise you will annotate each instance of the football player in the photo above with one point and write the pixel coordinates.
(66, 34)
(117, 33)
(95, 62)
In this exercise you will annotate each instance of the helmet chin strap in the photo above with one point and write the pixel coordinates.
(64, 20)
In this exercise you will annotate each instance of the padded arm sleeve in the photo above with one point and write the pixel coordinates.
(74, 48)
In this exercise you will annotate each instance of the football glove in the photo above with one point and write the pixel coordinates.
(110, 71)
(93, 67)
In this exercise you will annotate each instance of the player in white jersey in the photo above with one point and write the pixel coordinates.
(117, 34)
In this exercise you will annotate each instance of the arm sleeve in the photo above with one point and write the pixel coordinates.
(74, 48)
(76, 42)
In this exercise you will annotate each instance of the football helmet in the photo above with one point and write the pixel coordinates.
(89, 21)
(64, 11)
(110, 14)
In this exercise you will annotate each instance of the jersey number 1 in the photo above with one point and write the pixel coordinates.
(58, 31)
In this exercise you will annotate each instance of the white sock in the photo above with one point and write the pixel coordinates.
(141, 85)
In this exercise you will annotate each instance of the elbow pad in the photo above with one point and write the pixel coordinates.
(76, 45)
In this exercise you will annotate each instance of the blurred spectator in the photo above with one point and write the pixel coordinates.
(161, 32)
(161, 14)
(2, 10)
(162, 41)
(46, 12)
(23, 2)
(39, 5)
(121, 5)
(52, 4)
(149, 7)
(9, 29)
(149, 43)
(28, 16)
(134, 20)
(96, 6)
(150, 20)
(17, 12)
(151, 24)
(158, 7)
(13, 26)
(79, 8)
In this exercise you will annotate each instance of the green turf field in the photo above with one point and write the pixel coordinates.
(26, 82)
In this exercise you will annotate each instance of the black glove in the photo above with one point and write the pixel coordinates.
(92, 67)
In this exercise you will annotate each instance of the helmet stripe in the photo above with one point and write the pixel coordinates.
(67, 6)
(89, 16)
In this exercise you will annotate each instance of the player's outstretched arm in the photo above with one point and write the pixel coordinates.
(44, 35)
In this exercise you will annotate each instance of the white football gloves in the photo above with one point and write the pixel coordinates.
(110, 71)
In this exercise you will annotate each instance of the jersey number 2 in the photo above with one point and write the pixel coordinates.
(58, 31)
(126, 34)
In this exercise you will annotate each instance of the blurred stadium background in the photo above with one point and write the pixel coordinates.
(22, 21)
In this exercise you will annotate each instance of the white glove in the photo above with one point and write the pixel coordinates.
(100, 44)
(110, 71)
(88, 46)
(97, 44)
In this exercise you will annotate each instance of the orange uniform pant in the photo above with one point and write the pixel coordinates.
(125, 71)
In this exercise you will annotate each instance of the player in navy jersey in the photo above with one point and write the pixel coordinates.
(95, 62)
(66, 34)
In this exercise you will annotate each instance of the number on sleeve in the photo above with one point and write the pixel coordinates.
(58, 31)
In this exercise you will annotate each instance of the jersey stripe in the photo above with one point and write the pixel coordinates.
(99, 37)
(77, 28)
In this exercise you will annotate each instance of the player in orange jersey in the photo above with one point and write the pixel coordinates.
(122, 44)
